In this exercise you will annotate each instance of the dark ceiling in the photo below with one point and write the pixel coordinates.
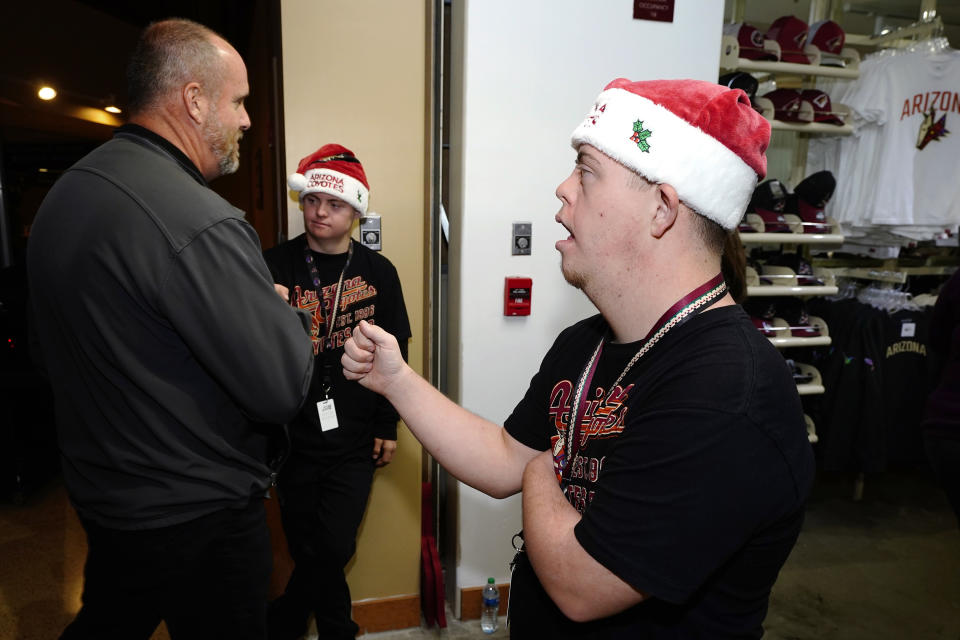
(82, 47)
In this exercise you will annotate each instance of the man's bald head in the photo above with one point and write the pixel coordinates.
(169, 54)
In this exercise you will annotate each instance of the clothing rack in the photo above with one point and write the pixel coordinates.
(900, 37)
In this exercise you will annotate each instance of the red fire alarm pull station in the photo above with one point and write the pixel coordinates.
(516, 296)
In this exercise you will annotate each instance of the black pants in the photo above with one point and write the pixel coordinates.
(320, 520)
(944, 457)
(207, 578)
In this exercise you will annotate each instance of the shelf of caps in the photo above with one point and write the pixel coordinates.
(778, 290)
(788, 284)
(789, 340)
(796, 236)
(812, 128)
(730, 60)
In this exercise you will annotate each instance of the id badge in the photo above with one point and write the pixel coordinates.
(328, 415)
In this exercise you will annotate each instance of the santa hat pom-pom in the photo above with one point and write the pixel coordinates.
(297, 181)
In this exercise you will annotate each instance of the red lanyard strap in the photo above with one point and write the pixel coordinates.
(695, 301)
(318, 287)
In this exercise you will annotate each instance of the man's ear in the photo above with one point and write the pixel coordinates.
(668, 208)
(194, 101)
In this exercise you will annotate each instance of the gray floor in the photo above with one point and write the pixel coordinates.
(885, 567)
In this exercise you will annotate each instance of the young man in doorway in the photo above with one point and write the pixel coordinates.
(344, 431)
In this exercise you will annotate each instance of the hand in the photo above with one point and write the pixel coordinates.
(383, 451)
(282, 291)
(372, 357)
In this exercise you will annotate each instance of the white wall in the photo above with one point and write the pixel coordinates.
(524, 74)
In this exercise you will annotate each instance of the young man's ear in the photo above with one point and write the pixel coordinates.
(668, 207)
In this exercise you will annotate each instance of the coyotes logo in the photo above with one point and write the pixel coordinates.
(597, 111)
(603, 417)
(931, 128)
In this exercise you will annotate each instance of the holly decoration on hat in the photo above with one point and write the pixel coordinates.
(640, 136)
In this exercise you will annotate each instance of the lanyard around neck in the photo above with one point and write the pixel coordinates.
(328, 319)
(697, 300)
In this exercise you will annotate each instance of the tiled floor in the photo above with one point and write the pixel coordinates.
(886, 567)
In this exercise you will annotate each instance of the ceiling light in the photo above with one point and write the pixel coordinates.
(112, 109)
(47, 93)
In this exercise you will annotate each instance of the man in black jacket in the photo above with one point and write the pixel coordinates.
(166, 344)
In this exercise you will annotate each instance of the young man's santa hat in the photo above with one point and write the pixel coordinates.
(702, 138)
(334, 170)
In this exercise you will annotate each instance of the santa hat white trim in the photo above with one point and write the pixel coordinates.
(708, 177)
(334, 183)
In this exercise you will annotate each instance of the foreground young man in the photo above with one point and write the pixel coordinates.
(661, 447)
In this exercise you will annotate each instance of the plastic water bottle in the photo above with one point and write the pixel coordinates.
(491, 607)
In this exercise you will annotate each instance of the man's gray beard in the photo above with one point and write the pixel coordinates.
(216, 136)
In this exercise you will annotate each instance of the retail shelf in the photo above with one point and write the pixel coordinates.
(787, 282)
(791, 238)
(811, 429)
(796, 234)
(812, 127)
(774, 290)
(785, 338)
(820, 341)
(815, 386)
(810, 389)
(730, 60)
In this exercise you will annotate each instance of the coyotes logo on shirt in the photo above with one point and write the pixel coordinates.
(355, 291)
(603, 417)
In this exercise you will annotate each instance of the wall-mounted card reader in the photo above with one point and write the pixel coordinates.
(521, 238)
(516, 296)
(370, 231)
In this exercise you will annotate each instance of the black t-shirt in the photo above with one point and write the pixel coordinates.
(691, 480)
(371, 291)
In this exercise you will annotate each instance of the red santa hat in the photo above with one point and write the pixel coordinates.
(703, 139)
(334, 170)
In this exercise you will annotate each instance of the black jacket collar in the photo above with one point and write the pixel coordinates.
(136, 131)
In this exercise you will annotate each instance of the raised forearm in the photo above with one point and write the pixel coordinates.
(473, 449)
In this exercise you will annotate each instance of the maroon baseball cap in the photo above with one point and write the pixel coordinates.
(812, 195)
(790, 33)
(750, 40)
(788, 106)
(794, 311)
(827, 36)
(769, 201)
(822, 110)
